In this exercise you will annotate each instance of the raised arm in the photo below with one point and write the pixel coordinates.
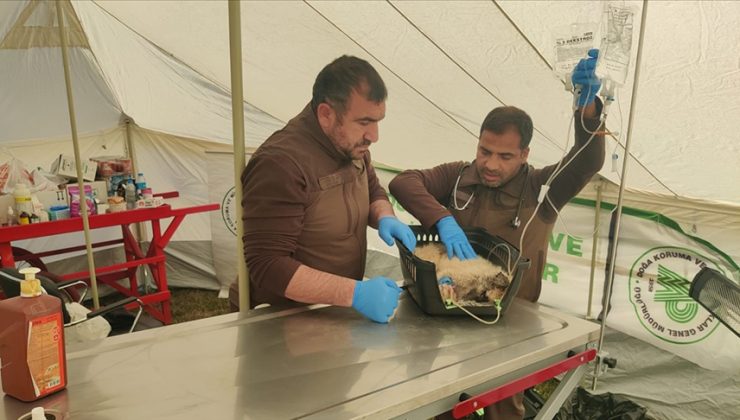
(424, 193)
(586, 157)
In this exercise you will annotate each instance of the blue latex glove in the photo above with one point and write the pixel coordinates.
(584, 75)
(446, 280)
(454, 239)
(376, 298)
(389, 227)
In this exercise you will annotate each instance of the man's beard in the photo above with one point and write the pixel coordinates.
(350, 154)
(490, 184)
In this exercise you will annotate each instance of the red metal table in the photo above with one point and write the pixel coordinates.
(110, 275)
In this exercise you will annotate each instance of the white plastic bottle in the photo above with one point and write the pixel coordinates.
(130, 194)
(22, 197)
(140, 184)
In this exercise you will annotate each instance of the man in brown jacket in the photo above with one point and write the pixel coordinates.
(310, 191)
(500, 191)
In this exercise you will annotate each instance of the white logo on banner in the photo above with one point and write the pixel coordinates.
(659, 284)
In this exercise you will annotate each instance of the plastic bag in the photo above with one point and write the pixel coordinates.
(12, 173)
(586, 406)
(90, 330)
(43, 181)
(75, 200)
(570, 44)
(616, 44)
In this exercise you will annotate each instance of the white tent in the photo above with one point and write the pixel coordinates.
(448, 63)
(176, 114)
(165, 66)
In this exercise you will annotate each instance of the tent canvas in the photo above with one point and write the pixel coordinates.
(174, 115)
(164, 66)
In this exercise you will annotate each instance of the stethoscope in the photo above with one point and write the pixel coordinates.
(515, 222)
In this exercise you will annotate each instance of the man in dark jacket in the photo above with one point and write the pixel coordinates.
(310, 191)
(501, 192)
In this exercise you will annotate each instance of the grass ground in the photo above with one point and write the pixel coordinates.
(546, 388)
(192, 304)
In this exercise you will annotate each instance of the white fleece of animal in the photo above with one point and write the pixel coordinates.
(476, 280)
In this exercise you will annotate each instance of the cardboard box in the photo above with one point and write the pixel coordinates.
(61, 197)
(65, 166)
(53, 198)
(112, 165)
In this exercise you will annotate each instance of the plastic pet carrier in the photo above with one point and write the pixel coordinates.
(420, 276)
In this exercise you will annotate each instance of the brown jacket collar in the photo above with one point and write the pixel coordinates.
(308, 120)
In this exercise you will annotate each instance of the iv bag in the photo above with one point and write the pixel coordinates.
(570, 44)
(616, 44)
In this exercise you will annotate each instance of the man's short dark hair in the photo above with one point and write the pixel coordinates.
(336, 81)
(504, 118)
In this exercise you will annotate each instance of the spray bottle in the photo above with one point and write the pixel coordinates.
(32, 342)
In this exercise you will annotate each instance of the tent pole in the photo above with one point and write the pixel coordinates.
(597, 217)
(613, 251)
(140, 227)
(130, 146)
(237, 107)
(78, 162)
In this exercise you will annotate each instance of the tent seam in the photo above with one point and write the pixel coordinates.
(391, 71)
(97, 64)
(557, 145)
(223, 88)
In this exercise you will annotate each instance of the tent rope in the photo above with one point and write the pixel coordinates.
(225, 89)
(529, 42)
(456, 63)
(434, 104)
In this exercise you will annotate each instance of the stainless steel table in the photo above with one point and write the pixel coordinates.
(318, 362)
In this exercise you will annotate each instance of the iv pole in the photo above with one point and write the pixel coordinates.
(613, 251)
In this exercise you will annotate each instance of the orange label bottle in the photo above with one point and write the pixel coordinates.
(32, 342)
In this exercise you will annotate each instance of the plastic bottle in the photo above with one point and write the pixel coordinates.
(22, 197)
(140, 184)
(38, 413)
(121, 189)
(12, 220)
(24, 218)
(32, 342)
(130, 195)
